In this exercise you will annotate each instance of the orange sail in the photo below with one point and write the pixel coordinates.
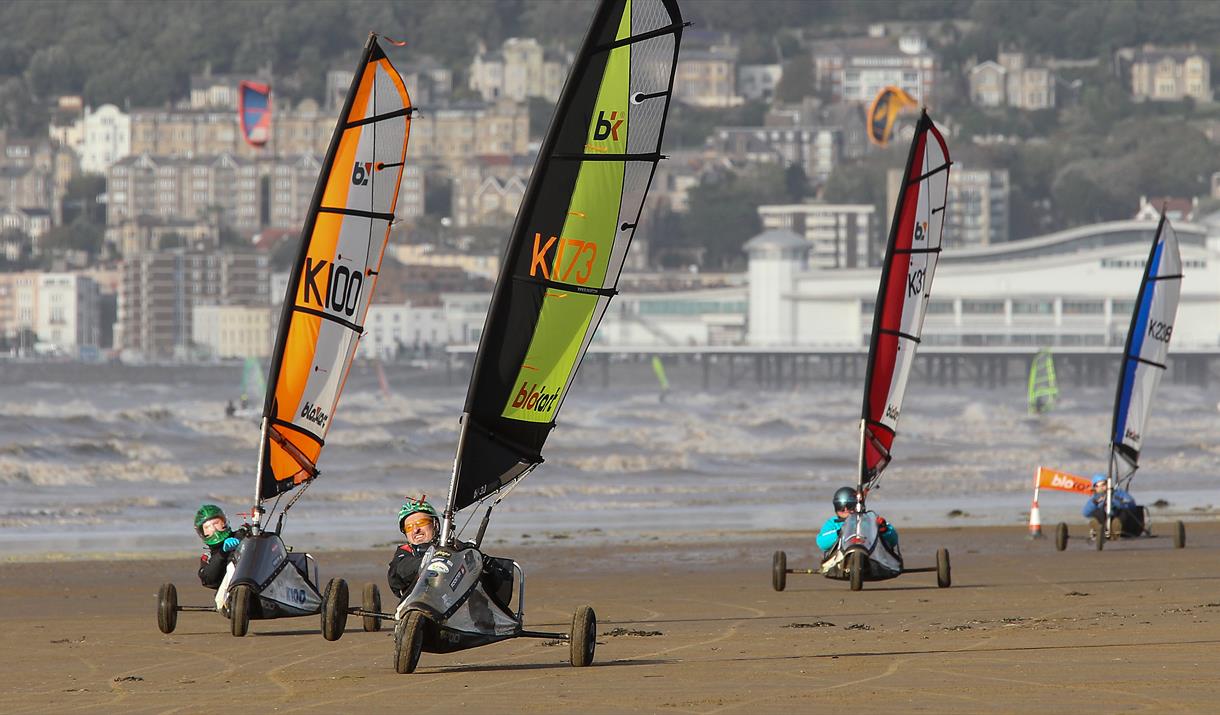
(332, 282)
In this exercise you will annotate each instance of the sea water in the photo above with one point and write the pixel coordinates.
(109, 458)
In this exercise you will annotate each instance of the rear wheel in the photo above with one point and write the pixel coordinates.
(408, 642)
(583, 636)
(1061, 536)
(943, 576)
(334, 609)
(1099, 532)
(167, 607)
(779, 570)
(1179, 536)
(855, 566)
(239, 610)
(371, 602)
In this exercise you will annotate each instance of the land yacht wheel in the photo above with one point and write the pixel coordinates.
(779, 570)
(856, 562)
(583, 636)
(334, 609)
(1061, 536)
(408, 642)
(239, 611)
(167, 607)
(371, 603)
(943, 576)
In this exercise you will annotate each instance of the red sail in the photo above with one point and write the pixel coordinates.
(902, 298)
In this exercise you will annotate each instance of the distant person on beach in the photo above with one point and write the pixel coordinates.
(1122, 505)
(230, 409)
(220, 544)
(844, 503)
(420, 524)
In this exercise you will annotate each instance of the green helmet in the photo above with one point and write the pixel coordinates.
(205, 513)
(416, 506)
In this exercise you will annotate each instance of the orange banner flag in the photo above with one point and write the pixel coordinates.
(1064, 481)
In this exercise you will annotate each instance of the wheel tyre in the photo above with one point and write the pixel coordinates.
(408, 642)
(1061, 536)
(371, 602)
(167, 608)
(779, 570)
(1100, 542)
(1179, 535)
(855, 565)
(239, 610)
(944, 577)
(583, 636)
(334, 609)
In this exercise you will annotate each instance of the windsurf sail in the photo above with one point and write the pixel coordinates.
(1043, 387)
(252, 385)
(254, 112)
(658, 367)
(1146, 350)
(902, 297)
(382, 382)
(568, 243)
(883, 111)
(332, 280)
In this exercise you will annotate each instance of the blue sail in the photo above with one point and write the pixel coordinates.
(1147, 348)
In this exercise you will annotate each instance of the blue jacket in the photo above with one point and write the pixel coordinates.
(1095, 507)
(828, 536)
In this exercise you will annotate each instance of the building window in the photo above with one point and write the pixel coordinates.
(1083, 307)
(985, 307)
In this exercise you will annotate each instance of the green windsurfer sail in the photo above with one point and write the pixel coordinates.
(1043, 388)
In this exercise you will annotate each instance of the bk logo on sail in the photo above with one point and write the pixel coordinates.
(607, 128)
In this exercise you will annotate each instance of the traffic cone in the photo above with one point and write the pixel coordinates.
(1035, 521)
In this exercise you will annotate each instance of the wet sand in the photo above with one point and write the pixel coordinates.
(683, 629)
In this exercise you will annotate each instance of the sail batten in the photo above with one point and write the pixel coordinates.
(335, 272)
(912, 252)
(569, 241)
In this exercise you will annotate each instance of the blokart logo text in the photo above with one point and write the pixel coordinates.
(314, 414)
(532, 398)
(342, 286)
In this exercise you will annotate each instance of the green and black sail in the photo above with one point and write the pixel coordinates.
(568, 242)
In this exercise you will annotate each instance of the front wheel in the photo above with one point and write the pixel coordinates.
(408, 642)
(943, 576)
(167, 607)
(1179, 535)
(334, 609)
(583, 636)
(855, 565)
(1061, 536)
(239, 610)
(371, 603)
(779, 570)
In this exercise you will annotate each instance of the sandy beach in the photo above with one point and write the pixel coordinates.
(687, 628)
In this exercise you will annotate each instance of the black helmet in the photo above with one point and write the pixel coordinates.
(845, 498)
